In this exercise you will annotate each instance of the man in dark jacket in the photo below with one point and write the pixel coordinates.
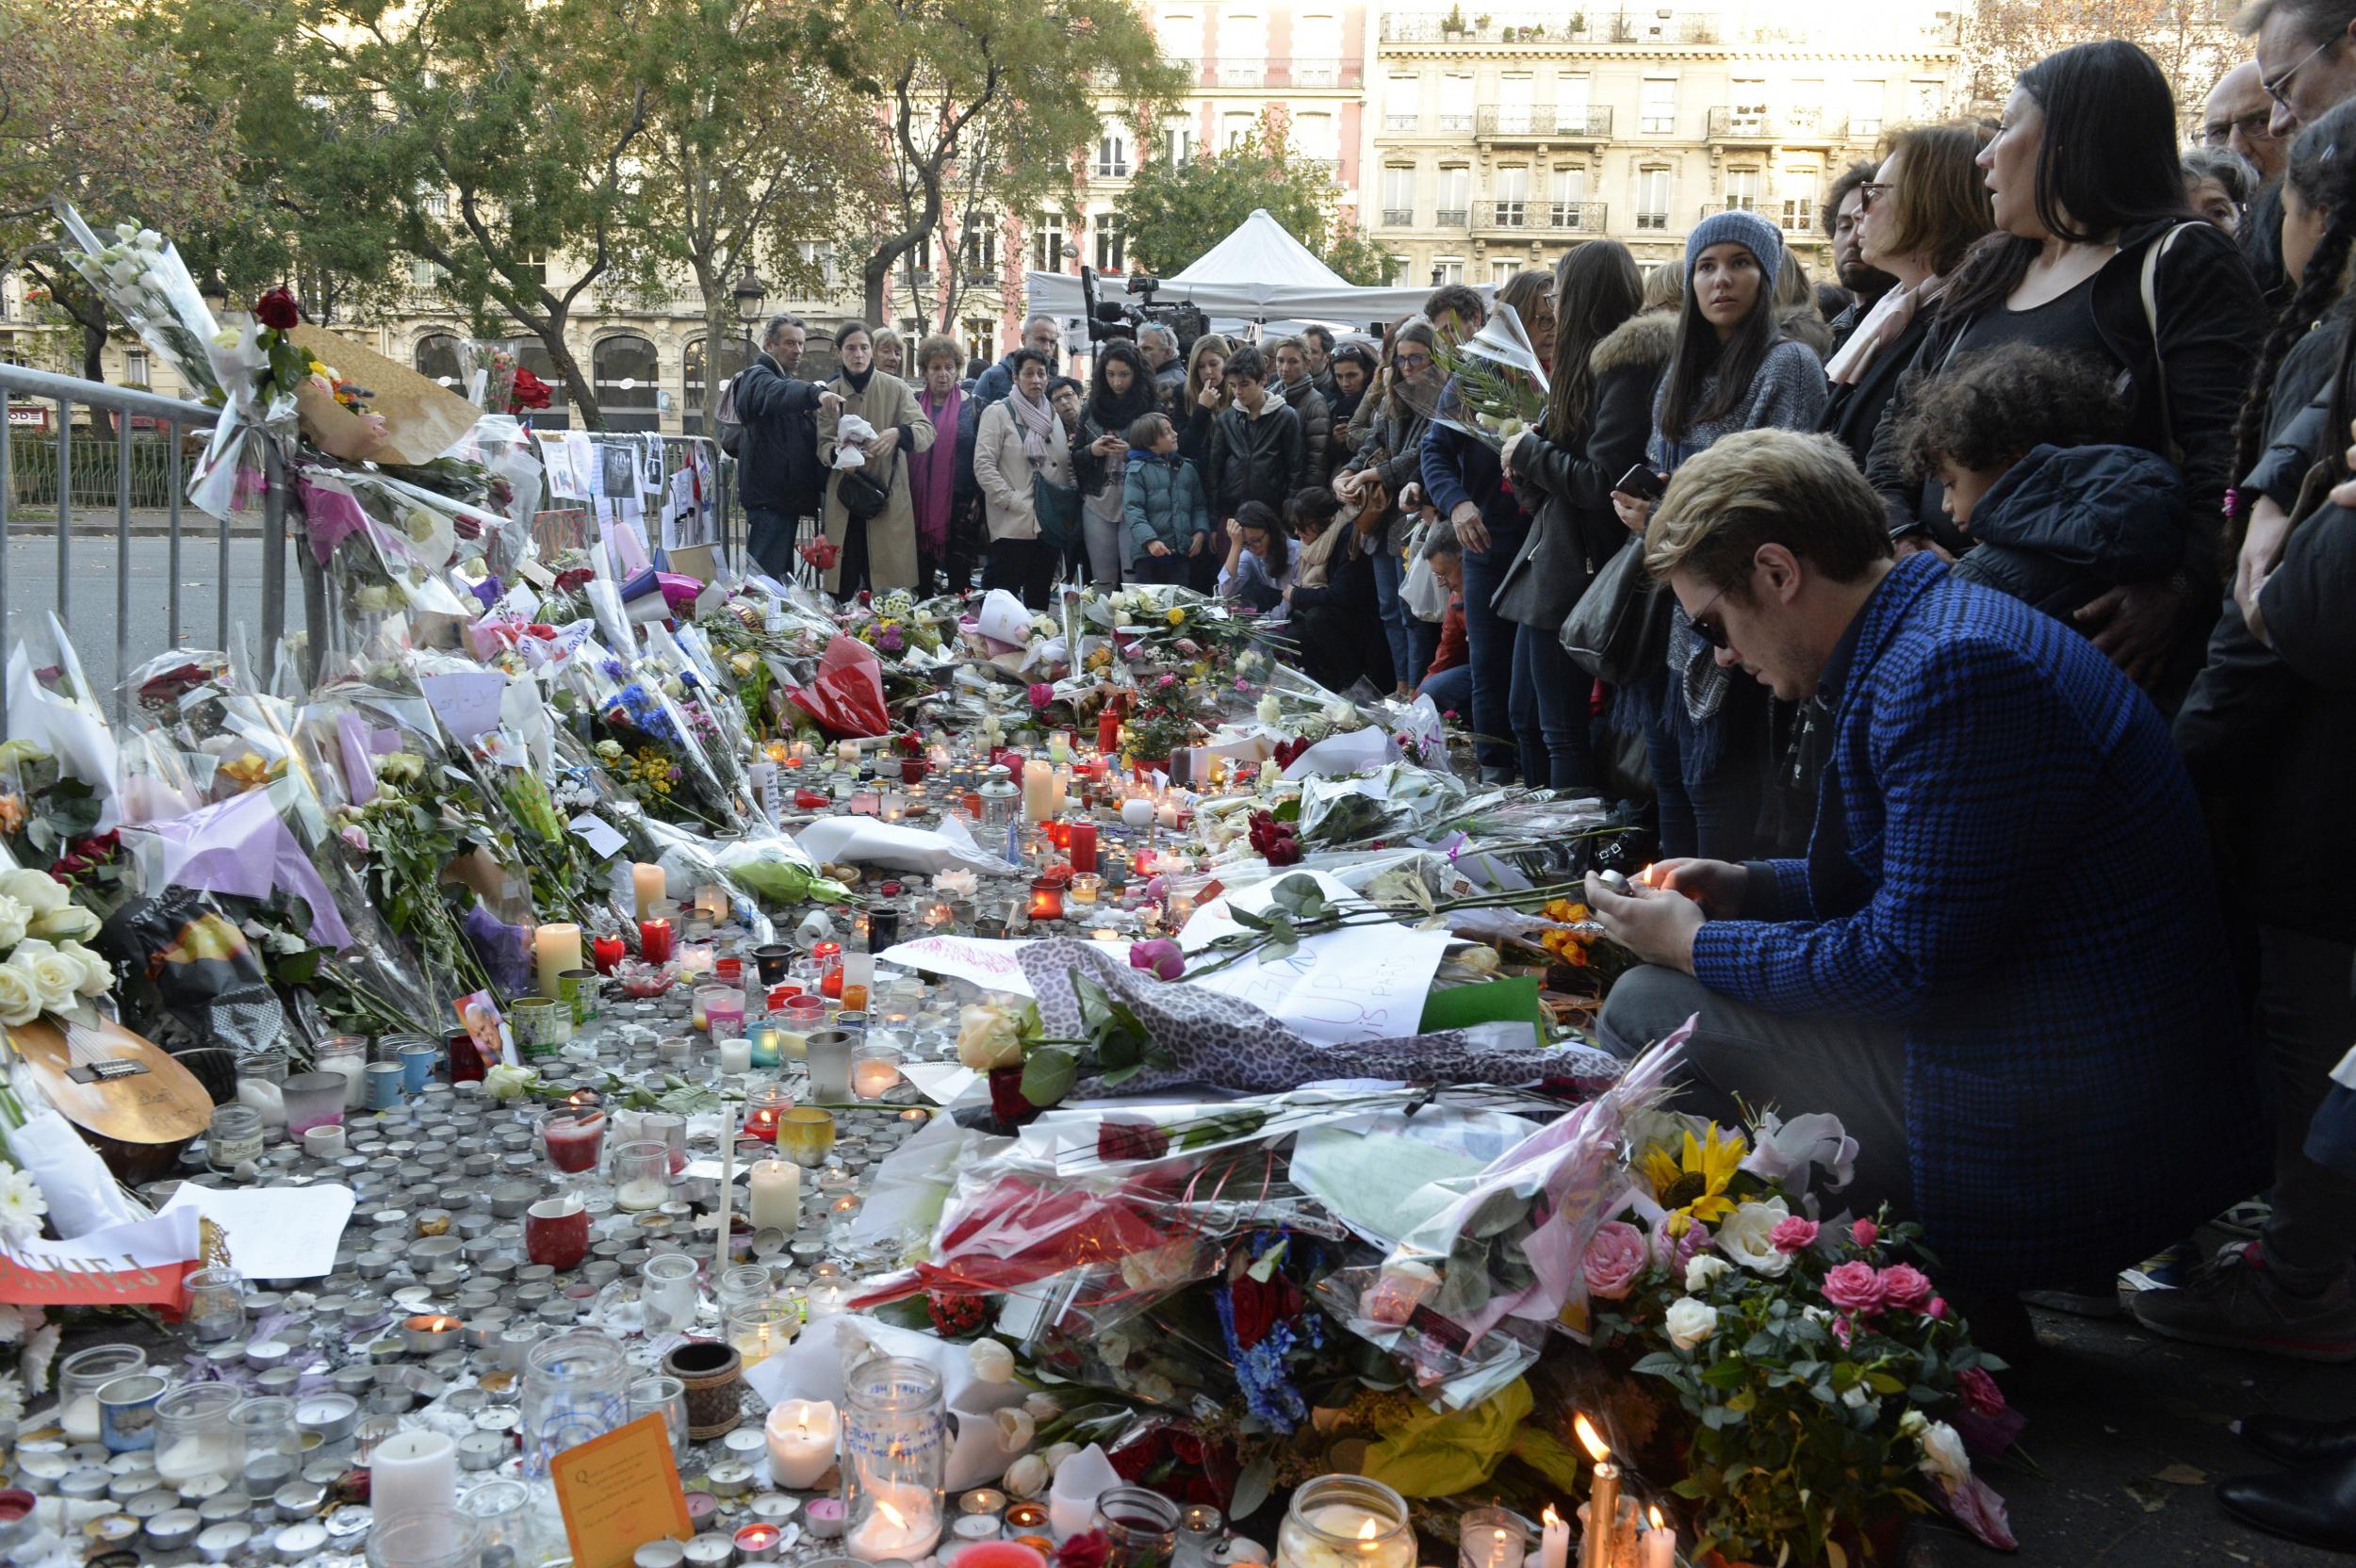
(1042, 334)
(1990, 965)
(1159, 345)
(778, 478)
(1844, 210)
(1257, 452)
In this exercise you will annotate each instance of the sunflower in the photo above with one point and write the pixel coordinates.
(1695, 1187)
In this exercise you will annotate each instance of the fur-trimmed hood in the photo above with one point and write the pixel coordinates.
(1640, 340)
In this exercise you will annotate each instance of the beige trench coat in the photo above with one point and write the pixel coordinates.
(890, 533)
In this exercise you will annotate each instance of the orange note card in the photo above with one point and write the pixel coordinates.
(619, 1492)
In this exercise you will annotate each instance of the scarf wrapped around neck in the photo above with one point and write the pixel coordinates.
(1882, 326)
(933, 472)
(1038, 421)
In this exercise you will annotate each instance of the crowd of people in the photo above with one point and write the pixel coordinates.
(1971, 631)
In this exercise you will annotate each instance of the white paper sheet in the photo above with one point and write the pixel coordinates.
(1366, 983)
(467, 701)
(991, 962)
(1004, 619)
(1338, 756)
(275, 1232)
(869, 843)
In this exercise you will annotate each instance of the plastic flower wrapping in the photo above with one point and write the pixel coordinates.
(1495, 389)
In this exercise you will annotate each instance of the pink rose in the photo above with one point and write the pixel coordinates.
(1842, 1330)
(1937, 1309)
(1855, 1287)
(1905, 1287)
(1674, 1252)
(1614, 1259)
(1042, 694)
(1865, 1233)
(1161, 957)
(1980, 1392)
(1794, 1234)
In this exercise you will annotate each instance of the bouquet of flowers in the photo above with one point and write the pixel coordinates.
(1164, 719)
(1495, 389)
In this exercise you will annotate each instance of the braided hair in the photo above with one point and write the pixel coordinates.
(2325, 181)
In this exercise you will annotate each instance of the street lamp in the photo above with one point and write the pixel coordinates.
(750, 293)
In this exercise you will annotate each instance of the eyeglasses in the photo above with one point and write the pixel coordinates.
(1709, 631)
(1869, 192)
(2278, 88)
(2253, 126)
(1414, 363)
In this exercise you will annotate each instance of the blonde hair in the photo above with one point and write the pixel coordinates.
(1209, 343)
(1664, 287)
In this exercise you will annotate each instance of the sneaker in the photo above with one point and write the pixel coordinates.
(2235, 1302)
(2248, 1217)
(2167, 1269)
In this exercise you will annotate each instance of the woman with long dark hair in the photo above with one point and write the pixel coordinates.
(1392, 455)
(1120, 389)
(1729, 370)
(2097, 253)
(2269, 734)
(878, 552)
(1596, 289)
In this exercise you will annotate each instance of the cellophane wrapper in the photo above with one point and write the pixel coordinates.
(1495, 388)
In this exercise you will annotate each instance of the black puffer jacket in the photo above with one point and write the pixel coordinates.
(778, 468)
(2067, 524)
(1263, 459)
(1570, 484)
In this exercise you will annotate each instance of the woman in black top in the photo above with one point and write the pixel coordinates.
(2089, 206)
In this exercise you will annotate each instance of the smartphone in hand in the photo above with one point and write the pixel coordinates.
(1642, 482)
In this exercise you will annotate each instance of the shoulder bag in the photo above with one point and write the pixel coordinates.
(1618, 631)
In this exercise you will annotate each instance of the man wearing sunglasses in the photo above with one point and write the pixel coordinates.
(1992, 964)
(2306, 58)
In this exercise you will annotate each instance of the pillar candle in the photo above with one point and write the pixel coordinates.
(1082, 847)
(1038, 790)
(646, 884)
(1554, 1541)
(728, 1186)
(736, 1055)
(1063, 789)
(777, 1200)
(413, 1472)
(555, 948)
(801, 1442)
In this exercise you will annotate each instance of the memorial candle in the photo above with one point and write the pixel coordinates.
(555, 948)
(654, 941)
(777, 1196)
(646, 884)
(1603, 1503)
(1038, 790)
(801, 1442)
(1082, 847)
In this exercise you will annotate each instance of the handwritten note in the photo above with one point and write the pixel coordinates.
(1366, 983)
(467, 701)
(275, 1232)
(619, 1492)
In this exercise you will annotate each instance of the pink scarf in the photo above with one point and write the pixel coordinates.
(934, 472)
(1882, 326)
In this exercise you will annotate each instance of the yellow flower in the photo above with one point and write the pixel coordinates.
(1694, 1187)
(1176, 617)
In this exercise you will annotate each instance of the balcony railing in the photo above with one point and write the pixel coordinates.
(1279, 70)
(1237, 73)
(1451, 218)
(1652, 221)
(1544, 123)
(1806, 127)
(1730, 204)
(1399, 217)
(1112, 168)
(1454, 121)
(1409, 121)
(1540, 217)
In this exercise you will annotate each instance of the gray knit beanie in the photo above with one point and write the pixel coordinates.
(1736, 227)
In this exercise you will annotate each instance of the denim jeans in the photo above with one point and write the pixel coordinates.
(770, 536)
(1711, 812)
(1449, 690)
(1489, 644)
(1398, 620)
(1549, 709)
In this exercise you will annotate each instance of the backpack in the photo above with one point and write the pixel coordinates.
(731, 428)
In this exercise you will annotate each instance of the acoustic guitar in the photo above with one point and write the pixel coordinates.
(137, 1104)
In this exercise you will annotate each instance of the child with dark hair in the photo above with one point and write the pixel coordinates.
(2026, 442)
(1448, 680)
(1169, 522)
(1259, 452)
(1260, 558)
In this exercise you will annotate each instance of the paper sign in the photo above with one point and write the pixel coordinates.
(275, 1232)
(991, 963)
(604, 842)
(467, 702)
(619, 1492)
(1366, 983)
(142, 1262)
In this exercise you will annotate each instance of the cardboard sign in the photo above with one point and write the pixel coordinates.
(619, 1492)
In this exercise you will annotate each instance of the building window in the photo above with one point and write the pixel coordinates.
(1750, 105)
(1447, 270)
(1399, 195)
(1112, 157)
(981, 339)
(1567, 196)
(818, 258)
(1798, 189)
(533, 264)
(1108, 245)
(1455, 207)
(1237, 129)
(1458, 94)
(1657, 114)
(1402, 104)
(627, 379)
(1047, 242)
(436, 359)
(1314, 134)
(1742, 189)
(424, 274)
(1512, 203)
(1316, 51)
(1181, 35)
(1501, 270)
(1807, 103)
(1652, 198)
(1865, 107)
(1927, 99)
(1517, 94)
(135, 368)
(735, 353)
(1179, 141)
(1242, 48)
(1401, 278)
(980, 255)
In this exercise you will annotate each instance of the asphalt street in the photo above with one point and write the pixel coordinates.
(95, 575)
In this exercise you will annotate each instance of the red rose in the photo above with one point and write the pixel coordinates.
(1090, 1550)
(527, 391)
(1261, 1307)
(1980, 1392)
(573, 578)
(1284, 852)
(277, 311)
(1130, 1140)
(1005, 1097)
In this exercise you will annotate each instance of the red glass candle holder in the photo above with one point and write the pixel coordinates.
(607, 953)
(831, 984)
(1081, 841)
(1046, 899)
(728, 971)
(467, 1065)
(654, 941)
(912, 770)
(1108, 729)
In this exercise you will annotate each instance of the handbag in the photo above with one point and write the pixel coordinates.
(1374, 502)
(1057, 507)
(1618, 631)
(861, 496)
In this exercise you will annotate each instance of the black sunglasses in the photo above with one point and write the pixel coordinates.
(1706, 629)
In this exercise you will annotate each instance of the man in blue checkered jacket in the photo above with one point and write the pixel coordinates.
(1994, 963)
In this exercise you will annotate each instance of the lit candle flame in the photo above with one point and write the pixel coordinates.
(1654, 1514)
(899, 1520)
(1592, 1439)
(1551, 1517)
(1366, 1532)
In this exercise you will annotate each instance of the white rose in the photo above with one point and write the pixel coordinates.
(19, 1001)
(1943, 1457)
(1912, 1423)
(1015, 1429)
(57, 978)
(39, 892)
(15, 920)
(992, 1360)
(1690, 1322)
(1744, 1235)
(1028, 1477)
(988, 1037)
(1271, 712)
(71, 924)
(1701, 1269)
(504, 1083)
(1043, 1407)
(126, 231)
(1057, 1453)
(98, 976)
(150, 238)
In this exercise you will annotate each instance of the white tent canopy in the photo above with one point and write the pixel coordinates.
(1259, 275)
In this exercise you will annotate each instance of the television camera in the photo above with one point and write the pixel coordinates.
(1109, 319)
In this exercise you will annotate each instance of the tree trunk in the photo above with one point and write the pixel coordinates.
(577, 387)
(715, 322)
(101, 422)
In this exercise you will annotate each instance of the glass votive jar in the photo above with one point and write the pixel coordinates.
(768, 1038)
(270, 1442)
(1352, 1519)
(500, 1511)
(874, 1072)
(1140, 1526)
(759, 1330)
(831, 1064)
(1086, 887)
(805, 1136)
(803, 1014)
(666, 1292)
(233, 1138)
(313, 1100)
(642, 1175)
(723, 1014)
(746, 1282)
(79, 1377)
(765, 1104)
(573, 1138)
(216, 1309)
(444, 1538)
(347, 1056)
(193, 1435)
(666, 1396)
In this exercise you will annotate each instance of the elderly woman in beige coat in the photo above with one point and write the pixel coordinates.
(1018, 441)
(880, 552)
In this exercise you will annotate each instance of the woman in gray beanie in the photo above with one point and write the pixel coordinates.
(1731, 370)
